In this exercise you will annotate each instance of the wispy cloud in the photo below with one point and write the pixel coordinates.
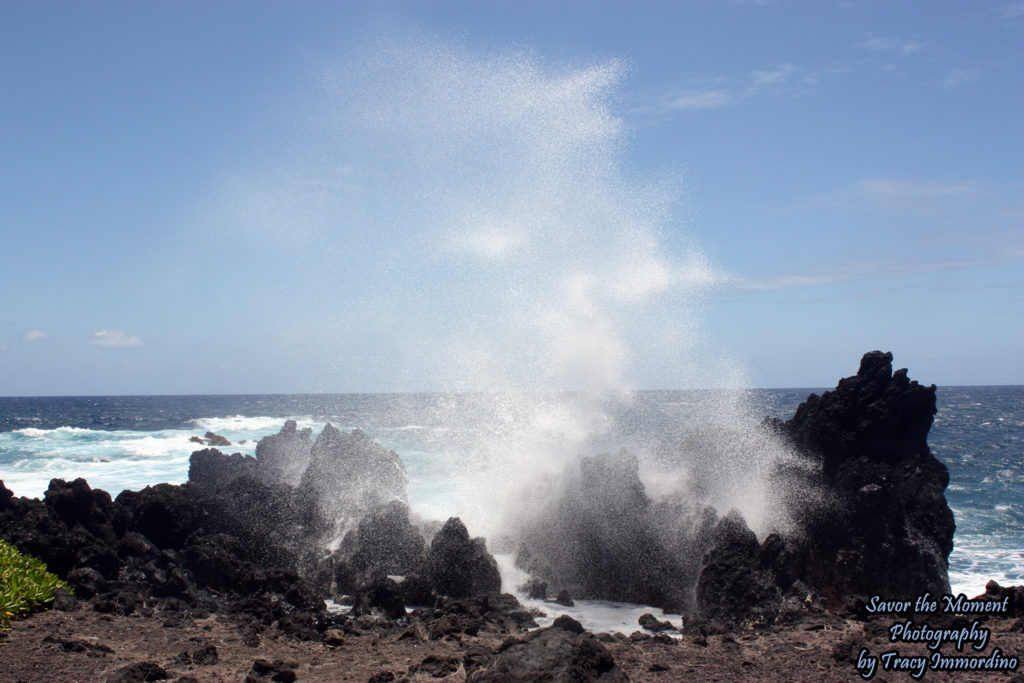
(115, 339)
(898, 46)
(721, 93)
(960, 77)
(685, 100)
(908, 195)
(34, 336)
(886, 187)
(761, 78)
(1012, 10)
(3, 347)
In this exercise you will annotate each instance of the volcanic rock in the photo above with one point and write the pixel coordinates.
(734, 586)
(165, 514)
(77, 503)
(216, 440)
(1015, 595)
(139, 672)
(535, 589)
(888, 529)
(496, 612)
(381, 594)
(385, 542)
(460, 566)
(210, 467)
(551, 654)
(278, 671)
(348, 475)
(283, 457)
(651, 623)
(601, 539)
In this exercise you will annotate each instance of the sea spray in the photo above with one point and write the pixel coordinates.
(485, 198)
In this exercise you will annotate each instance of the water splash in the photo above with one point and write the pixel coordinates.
(484, 199)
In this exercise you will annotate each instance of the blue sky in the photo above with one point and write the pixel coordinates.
(228, 197)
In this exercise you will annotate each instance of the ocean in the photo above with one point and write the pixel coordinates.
(129, 442)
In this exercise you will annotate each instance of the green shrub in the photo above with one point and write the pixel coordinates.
(25, 584)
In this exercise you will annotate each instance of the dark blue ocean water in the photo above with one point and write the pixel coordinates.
(133, 441)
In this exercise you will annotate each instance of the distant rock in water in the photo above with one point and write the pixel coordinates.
(283, 457)
(216, 440)
(210, 439)
(349, 475)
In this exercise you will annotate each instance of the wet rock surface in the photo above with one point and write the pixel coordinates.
(876, 524)
(349, 475)
(460, 566)
(734, 586)
(887, 529)
(600, 540)
(283, 457)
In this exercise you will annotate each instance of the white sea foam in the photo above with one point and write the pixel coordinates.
(55, 434)
(241, 424)
(598, 616)
(977, 558)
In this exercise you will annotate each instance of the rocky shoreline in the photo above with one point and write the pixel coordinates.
(230, 570)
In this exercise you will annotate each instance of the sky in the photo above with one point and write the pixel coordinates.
(268, 197)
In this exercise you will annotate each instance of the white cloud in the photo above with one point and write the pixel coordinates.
(960, 77)
(115, 338)
(3, 347)
(888, 44)
(34, 335)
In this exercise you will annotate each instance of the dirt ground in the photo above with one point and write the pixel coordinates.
(84, 645)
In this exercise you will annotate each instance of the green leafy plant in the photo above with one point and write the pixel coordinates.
(25, 584)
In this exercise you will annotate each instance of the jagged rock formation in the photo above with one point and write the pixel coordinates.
(210, 467)
(884, 527)
(228, 540)
(561, 652)
(164, 541)
(385, 542)
(282, 458)
(878, 524)
(888, 529)
(459, 566)
(349, 475)
(602, 539)
(238, 531)
(734, 584)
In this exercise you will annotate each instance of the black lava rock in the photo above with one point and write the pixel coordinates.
(460, 566)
